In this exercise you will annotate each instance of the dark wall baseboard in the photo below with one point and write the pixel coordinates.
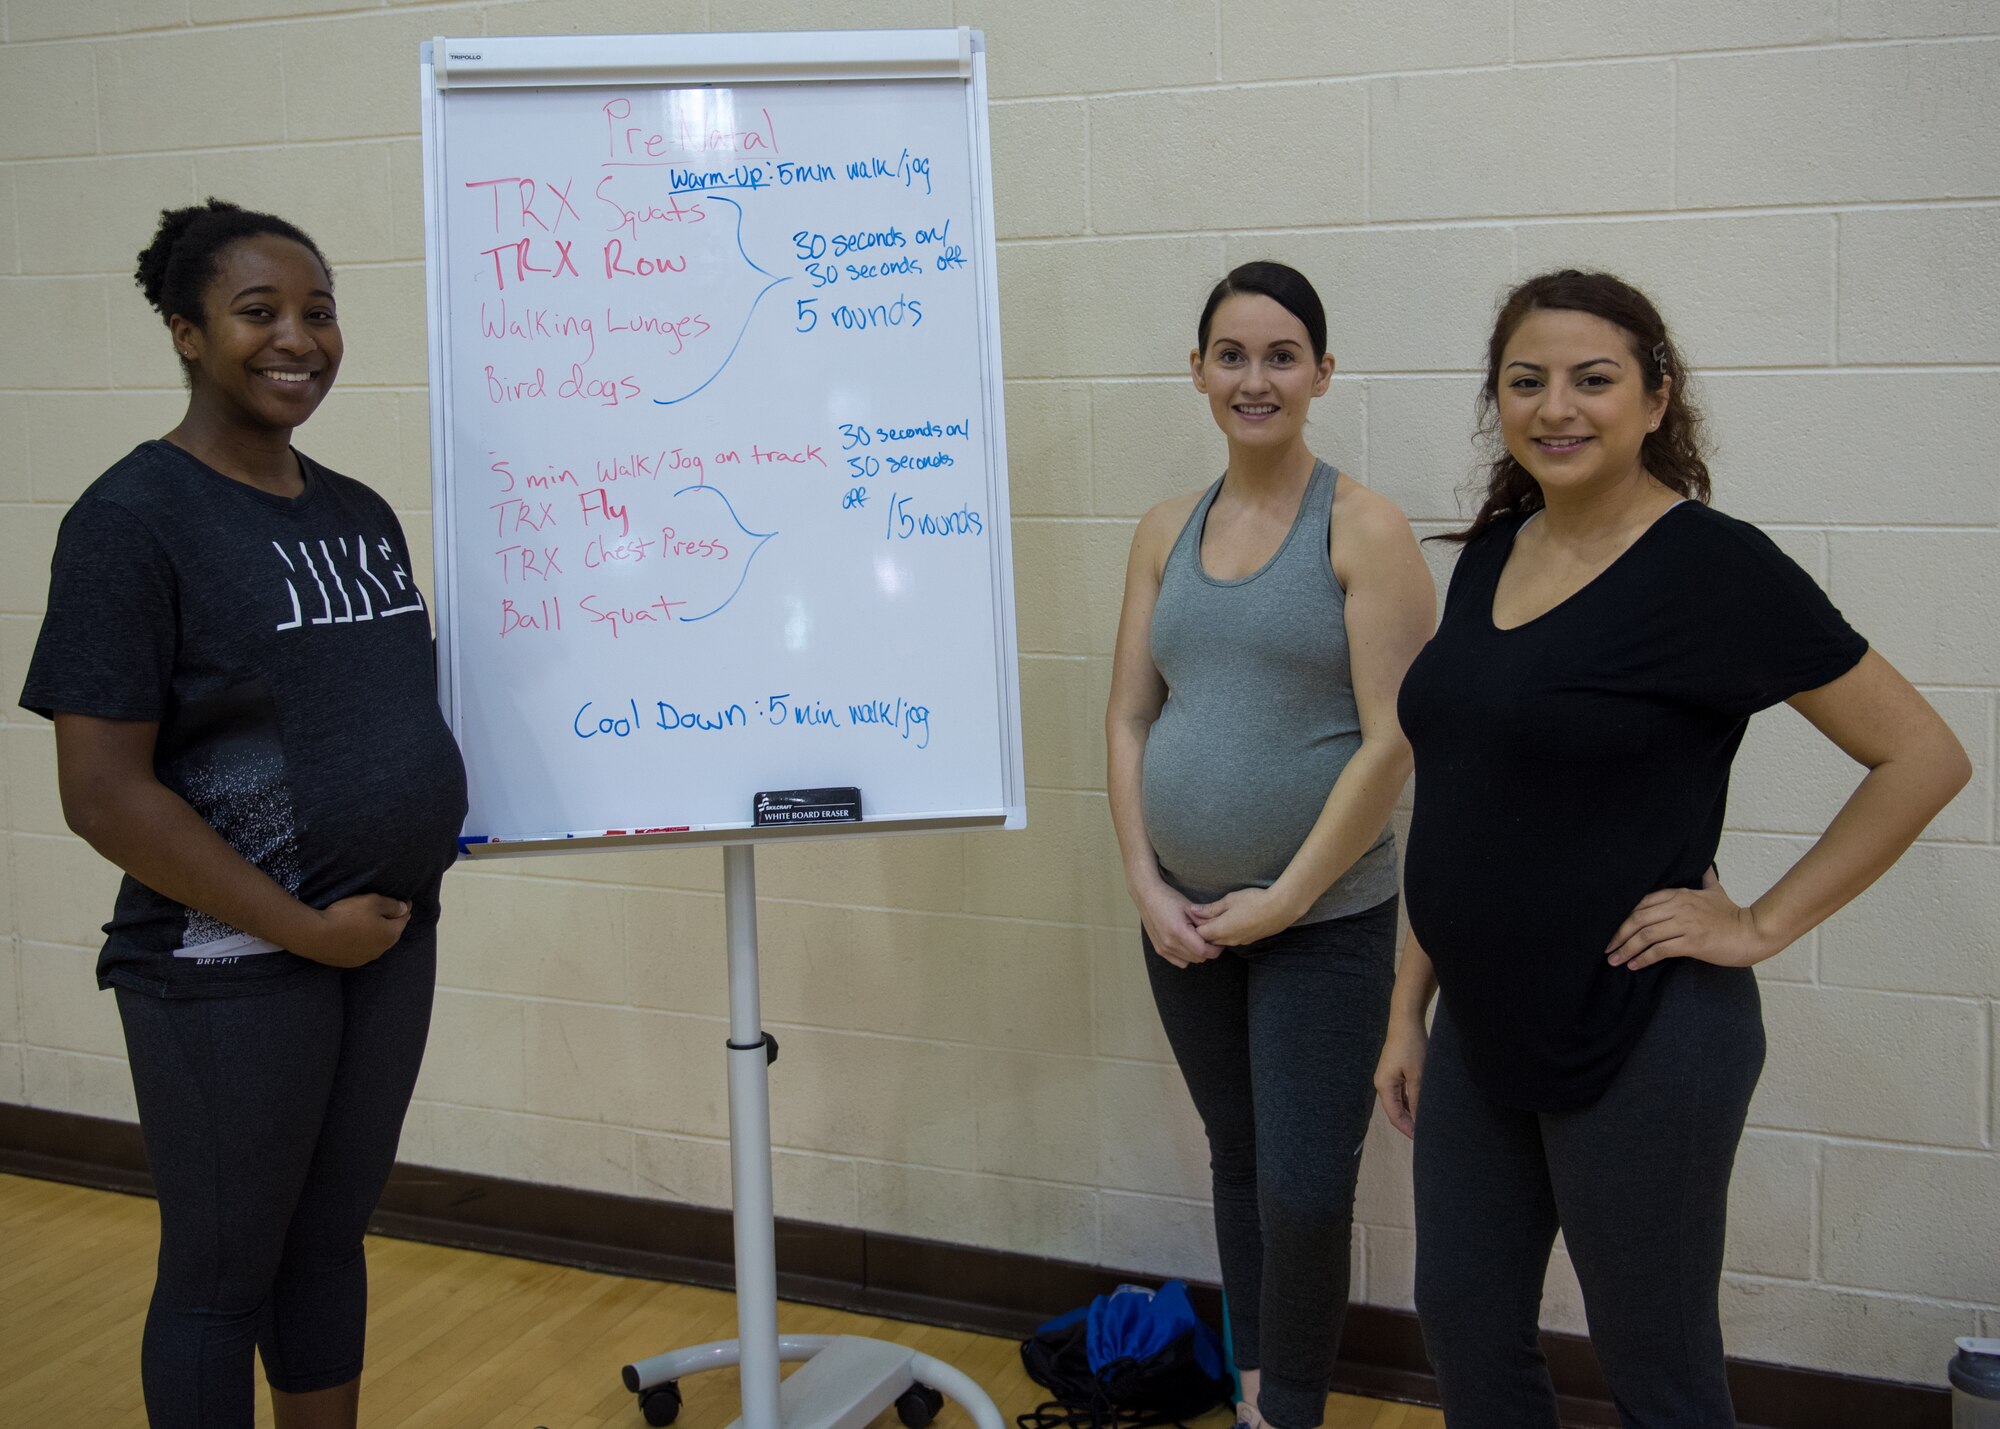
(994, 1292)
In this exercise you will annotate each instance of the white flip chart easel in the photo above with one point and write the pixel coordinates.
(719, 472)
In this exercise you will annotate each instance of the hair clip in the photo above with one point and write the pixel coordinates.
(1660, 356)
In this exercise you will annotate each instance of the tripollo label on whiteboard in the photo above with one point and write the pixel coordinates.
(723, 513)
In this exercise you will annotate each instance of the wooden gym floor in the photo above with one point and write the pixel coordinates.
(456, 1339)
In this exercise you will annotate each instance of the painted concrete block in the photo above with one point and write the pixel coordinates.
(32, 803)
(1065, 861)
(1037, 47)
(1157, 1236)
(1041, 179)
(477, 1053)
(1575, 29)
(78, 1081)
(94, 215)
(1898, 19)
(535, 939)
(675, 950)
(1008, 984)
(1822, 1327)
(61, 1005)
(843, 1095)
(59, 324)
(1152, 1139)
(1152, 439)
(1273, 39)
(133, 120)
(1063, 722)
(1048, 448)
(1877, 1065)
(1918, 285)
(1771, 1205)
(1813, 447)
(362, 72)
(1002, 1212)
(1930, 925)
(1913, 1222)
(586, 1156)
(55, 19)
(1924, 599)
(922, 872)
(1923, 133)
(1182, 160)
(1451, 145)
(1069, 581)
(1124, 1020)
(1039, 1116)
(51, 93)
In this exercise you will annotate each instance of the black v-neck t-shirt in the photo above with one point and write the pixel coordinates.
(1569, 766)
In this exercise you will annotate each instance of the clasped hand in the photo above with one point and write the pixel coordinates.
(1185, 933)
(355, 931)
(1242, 916)
(1701, 923)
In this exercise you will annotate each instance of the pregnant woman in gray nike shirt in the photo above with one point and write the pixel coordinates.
(1254, 759)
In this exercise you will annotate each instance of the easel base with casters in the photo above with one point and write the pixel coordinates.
(847, 1380)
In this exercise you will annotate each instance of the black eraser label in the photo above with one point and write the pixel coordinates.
(840, 805)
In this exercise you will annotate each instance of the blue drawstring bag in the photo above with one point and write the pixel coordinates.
(1132, 1359)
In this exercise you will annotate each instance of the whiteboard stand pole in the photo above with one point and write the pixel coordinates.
(750, 1147)
(847, 1380)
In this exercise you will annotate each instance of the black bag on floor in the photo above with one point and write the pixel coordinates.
(1132, 1359)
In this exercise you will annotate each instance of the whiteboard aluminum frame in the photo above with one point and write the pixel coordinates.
(797, 57)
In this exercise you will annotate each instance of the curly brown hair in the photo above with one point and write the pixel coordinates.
(1674, 454)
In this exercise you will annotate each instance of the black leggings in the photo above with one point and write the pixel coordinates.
(1278, 1041)
(1639, 1183)
(270, 1123)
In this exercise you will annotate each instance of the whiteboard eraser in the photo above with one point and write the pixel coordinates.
(841, 805)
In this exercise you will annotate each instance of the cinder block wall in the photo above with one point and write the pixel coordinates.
(1811, 188)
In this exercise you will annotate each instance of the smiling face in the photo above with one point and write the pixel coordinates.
(268, 346)
(1572, 399)
(1258, 372)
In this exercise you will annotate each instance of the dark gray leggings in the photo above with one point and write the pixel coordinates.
(270, 1122)
(1278, 1042)
(1639, 1183)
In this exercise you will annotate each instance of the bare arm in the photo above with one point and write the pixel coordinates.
(1399, 1074)
(114, 801)
(1915, 766)
(1137, 696)
(1391, 611)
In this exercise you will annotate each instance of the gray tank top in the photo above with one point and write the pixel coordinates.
(1260, 716)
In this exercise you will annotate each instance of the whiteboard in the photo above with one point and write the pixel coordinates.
(718, 450)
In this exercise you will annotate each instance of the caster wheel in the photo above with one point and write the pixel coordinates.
(662, 1403)
(918, 1405)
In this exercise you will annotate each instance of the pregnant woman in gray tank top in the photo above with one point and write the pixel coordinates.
(1254, 759)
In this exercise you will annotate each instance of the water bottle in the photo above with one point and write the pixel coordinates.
(1975, 1385)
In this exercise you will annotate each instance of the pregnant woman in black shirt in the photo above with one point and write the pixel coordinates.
(238, 664)
(1605, 639)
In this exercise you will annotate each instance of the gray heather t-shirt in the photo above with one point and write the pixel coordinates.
(283, 649)
(1260, 716)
